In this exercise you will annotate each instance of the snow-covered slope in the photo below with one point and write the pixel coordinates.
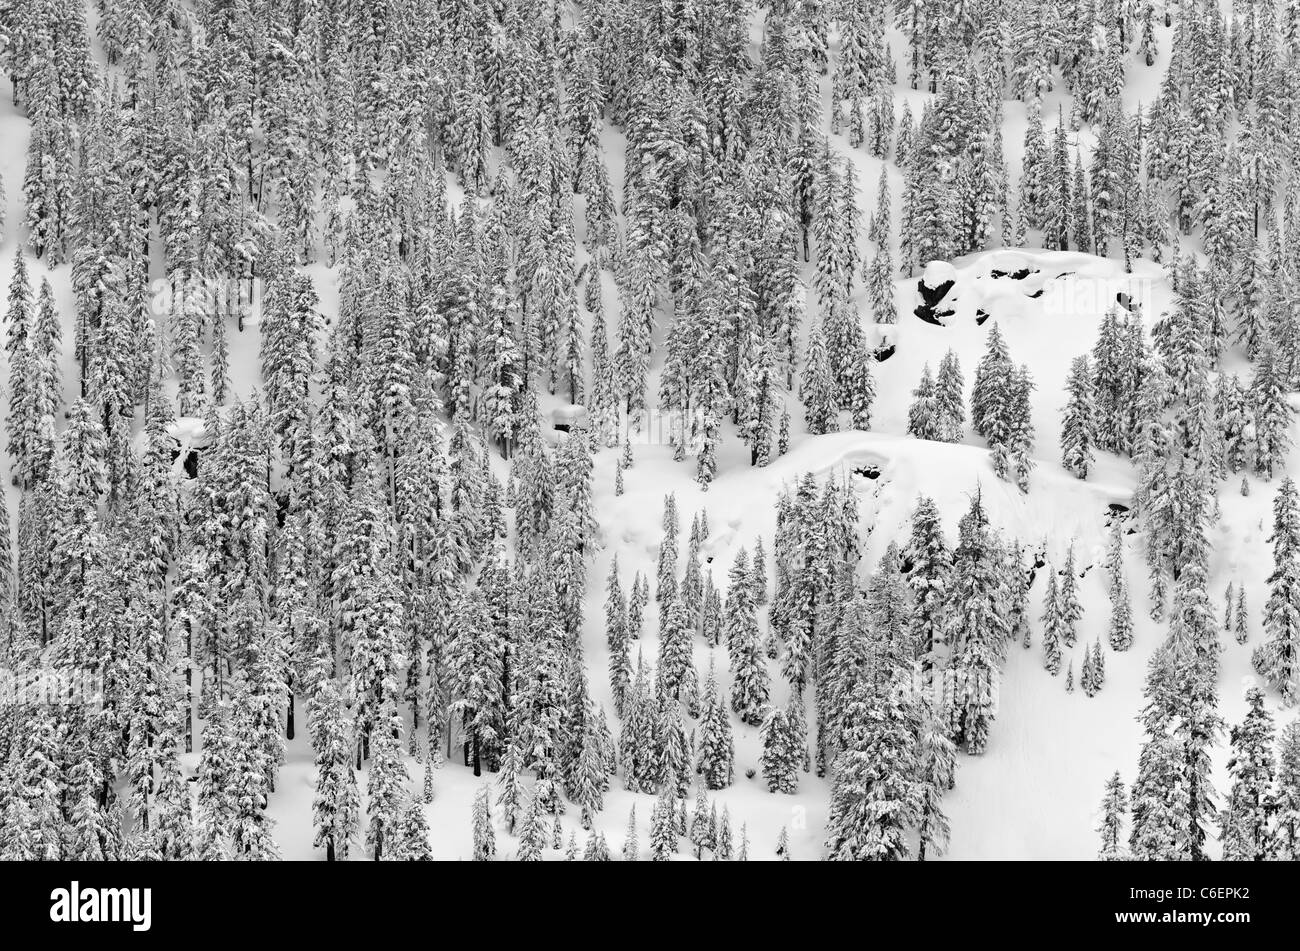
(1034, 793)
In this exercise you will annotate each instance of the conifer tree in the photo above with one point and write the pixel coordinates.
(817, 389)
(1272, 413)
(1285, 824)
(1077, 426)
(929, 579)
(1114, 806)
(532, 830)
(778, 760)
(1070, 607)
(758, 573)
(936, 774)
(1086, 681)
(749, 677)
(950, 398)
(923, 418)
(1120, 634)
(663, 827)
(991, 391)
(336, 806)
(1053, 626)
(1243, 826)
(631, 851)
(386, 796)
(1241, 625)
(716, 755)
(1277, 659)
(484, 835)
(976, 631)
(597, 849)
(511, 782)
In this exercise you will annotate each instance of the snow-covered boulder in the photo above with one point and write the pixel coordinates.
(566, 417)
(937, 279)
(191, 437)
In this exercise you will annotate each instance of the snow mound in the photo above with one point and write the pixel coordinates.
(1007, 284)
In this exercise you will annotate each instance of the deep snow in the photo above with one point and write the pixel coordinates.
(1035, 793)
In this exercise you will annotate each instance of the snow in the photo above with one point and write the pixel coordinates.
(937, 273)
(190, 432)
(1034, 793)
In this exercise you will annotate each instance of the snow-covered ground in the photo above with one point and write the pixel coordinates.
(1035, 792)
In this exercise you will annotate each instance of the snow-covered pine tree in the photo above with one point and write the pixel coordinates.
(533, 832)
(386, 780)
(336, 807)
(778, 761)
(663, 827)
(950, 397)
(749, 677)
(758, 573)
(482, 831)
(976, 630)
(929, 579)
(1277, 659)
(716, 753)
(991, 391)
(631, 850)
(817, 389)
(1285, 823)
(923, 419)
(597, 849)
(1114, 806)
(1086, 682)
(1071, 609)
(1053, 625)
(1077, 425)
(936, 774)
(1243, 825)
(1272, 412)
(875, 793)
(1241, 623)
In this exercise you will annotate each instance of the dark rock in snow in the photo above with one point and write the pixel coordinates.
(981, 315)
(564, 418)
(884, 353)
(928, 309)
(191, 464)
(1017, 275)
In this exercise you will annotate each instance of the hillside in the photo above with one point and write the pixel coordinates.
(504, 203)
